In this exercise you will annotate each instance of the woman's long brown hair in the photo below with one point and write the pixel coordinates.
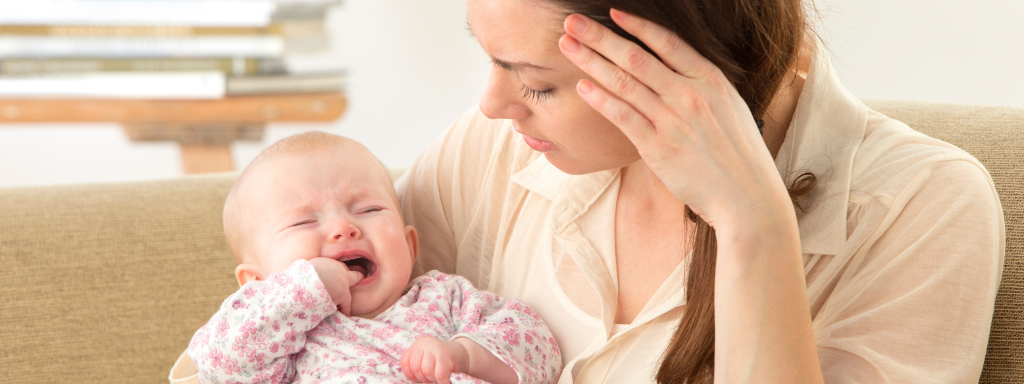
(755, 43)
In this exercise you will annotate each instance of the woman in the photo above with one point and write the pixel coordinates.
(614, 178)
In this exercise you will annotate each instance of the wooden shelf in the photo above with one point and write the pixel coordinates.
(204, 129)
(272, 108)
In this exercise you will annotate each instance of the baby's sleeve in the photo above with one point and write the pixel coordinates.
(258, 330)
(506, 327)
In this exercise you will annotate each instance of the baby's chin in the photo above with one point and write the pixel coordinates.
(367, 313)
(362, 307)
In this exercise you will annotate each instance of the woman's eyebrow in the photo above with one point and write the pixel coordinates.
(517, 65)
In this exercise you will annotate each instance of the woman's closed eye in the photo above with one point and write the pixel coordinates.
(535, 95)
(529, 94)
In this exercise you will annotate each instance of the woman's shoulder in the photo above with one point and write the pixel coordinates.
(477, 147)
(894, 159)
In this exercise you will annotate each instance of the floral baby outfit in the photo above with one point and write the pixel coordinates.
(287, 329)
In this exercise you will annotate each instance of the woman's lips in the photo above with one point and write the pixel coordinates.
(534, 143)
(537, 144)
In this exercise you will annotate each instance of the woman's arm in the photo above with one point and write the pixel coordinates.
(915, 302)
(688, 122)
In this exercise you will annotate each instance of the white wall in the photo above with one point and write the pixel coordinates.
(965, 51)
(414, 69)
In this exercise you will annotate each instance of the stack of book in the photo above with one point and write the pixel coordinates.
(160, 49)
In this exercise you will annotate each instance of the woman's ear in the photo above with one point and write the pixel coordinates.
(414, 244)
(247, 272)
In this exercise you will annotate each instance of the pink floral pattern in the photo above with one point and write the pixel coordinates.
(287, 329)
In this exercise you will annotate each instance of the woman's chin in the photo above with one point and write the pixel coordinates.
(575, 167)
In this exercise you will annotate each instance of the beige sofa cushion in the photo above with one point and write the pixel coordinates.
(107, 283)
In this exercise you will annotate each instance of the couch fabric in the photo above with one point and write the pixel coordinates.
(106, 283)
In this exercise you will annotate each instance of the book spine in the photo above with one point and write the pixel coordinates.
(234, 66)
(152, 47)
(287, 29)
(223, 13)
(133, 31)
(301, 11)
(290, 84)
(131, 85)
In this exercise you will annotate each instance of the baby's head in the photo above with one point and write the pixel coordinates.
(321, 195)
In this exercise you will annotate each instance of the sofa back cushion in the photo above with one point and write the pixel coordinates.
(107, 283)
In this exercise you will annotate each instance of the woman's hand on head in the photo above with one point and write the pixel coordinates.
(685, 118)
(337, 280)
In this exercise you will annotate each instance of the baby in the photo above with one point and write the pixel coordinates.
(324, 265)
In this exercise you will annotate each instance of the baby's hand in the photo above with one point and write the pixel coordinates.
(337, 280)
(430, 360)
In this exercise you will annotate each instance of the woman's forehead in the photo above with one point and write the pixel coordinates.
(517, 31)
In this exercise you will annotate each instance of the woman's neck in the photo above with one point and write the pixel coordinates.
(644, 190)
(780, 112)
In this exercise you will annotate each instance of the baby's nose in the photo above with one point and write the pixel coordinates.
(346, 230)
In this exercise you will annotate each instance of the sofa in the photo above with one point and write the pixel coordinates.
(105, 283)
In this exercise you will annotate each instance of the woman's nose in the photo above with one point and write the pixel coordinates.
(501, 98)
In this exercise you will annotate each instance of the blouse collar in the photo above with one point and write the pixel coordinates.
(827, 128)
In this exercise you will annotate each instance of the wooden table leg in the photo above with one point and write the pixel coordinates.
(203, 158)
(205, 147)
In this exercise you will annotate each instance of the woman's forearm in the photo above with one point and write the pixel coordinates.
(762, 316)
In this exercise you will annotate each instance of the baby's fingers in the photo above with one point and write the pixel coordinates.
(443, 371)
(354, 278)
(345, 304)
(428, 368)
(411, 363)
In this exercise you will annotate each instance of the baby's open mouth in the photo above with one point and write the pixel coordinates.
(362, 265)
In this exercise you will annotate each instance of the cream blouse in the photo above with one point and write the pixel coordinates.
(902, 246)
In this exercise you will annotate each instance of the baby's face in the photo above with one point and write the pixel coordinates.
(335, 202)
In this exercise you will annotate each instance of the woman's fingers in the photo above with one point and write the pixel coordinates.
(635, 126)
(615, 79)
(676, 53)
(625, 54)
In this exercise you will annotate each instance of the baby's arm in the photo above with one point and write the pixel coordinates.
(432, 360)
(487, 327)
(257, 330)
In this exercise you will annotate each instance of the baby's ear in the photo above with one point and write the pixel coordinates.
(414, 244)
(247, 272)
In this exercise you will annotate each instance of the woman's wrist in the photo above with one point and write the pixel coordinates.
(767, 226)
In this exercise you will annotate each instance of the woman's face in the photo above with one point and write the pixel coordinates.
(534, 85)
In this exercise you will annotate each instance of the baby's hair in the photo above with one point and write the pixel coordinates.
(299, 144)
